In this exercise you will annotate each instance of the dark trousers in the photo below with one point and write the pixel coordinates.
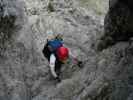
(47, 53)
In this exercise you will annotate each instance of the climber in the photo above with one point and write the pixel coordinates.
(57, 54)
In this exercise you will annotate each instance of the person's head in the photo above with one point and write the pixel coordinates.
(63, 54)
(50, 31)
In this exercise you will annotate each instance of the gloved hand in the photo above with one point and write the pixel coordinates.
(58, 79)
(80, 64)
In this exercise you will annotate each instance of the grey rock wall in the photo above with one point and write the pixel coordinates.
(11, 21)
(117, 24)
(116, 47)
(106, 75)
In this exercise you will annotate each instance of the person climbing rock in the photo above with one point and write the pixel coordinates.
(57, 54)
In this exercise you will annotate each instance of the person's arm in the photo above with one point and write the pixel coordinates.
(71, 54)
(74, 59)
(52, 65)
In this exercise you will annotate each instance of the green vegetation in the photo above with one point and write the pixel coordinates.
(50, 7)
(7, 27)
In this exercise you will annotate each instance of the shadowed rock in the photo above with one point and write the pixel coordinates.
(11, 21)
(118, 23)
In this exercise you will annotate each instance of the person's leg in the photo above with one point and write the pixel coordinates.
(58, 70)
(58, 65)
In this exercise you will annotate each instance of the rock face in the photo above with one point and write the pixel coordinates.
(24, 72)
(117, 58)
(118, 23)
(11, 19)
